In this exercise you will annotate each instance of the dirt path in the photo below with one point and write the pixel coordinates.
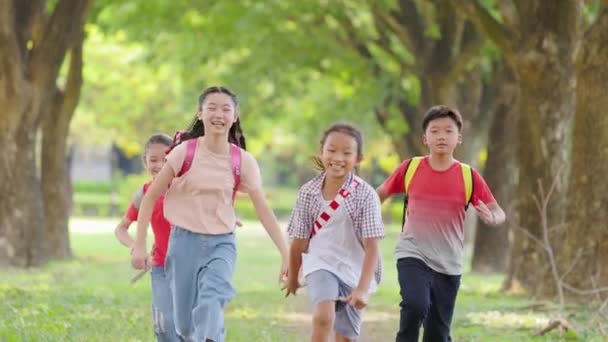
(378, 326)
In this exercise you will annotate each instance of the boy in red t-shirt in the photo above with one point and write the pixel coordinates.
(162, 307)
(430, 250)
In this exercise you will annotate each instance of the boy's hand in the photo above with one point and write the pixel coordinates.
(292, 285)
(485, 214)
(139, 257)
(358, 299)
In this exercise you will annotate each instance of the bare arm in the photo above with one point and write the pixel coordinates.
(369, 263)
(270, 223)
(499, 215)
(298, 246)
(358, 298)
(158, 187)
(122, 234)
(491, 214)
(382, 193)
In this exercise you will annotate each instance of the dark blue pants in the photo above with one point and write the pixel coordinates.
(427, 298)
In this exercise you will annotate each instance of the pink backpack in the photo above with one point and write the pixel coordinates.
(235, 160)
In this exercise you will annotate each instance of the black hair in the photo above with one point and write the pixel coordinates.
(158, 138)
(341, 127)
(197, 128)
(441, 111)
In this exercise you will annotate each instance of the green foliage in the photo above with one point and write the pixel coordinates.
(107, 199)
(94, 199)
(281, 200)
(125, 98)
(297, 66)
(127, 186)
(591, 11)
(94, 204)
(392, 211)
(270, 53)
(92, 187)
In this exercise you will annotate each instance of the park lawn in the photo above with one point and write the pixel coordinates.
(90, 299)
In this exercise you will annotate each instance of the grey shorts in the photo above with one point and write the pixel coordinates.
(322, 286)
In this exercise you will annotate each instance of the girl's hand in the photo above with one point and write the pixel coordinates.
(358, 299)
(139, 257)
(485, 214)
(283, 271)
(292, 285)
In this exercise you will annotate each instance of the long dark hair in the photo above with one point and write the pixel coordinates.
(341, 127)
(197, 128)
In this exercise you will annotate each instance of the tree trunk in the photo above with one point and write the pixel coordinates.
(439, 66)
(22, 229)
(474, 98)
(468, 98)
(465, 95)
(491, 251)
(32, 48)
(22, 222)
(55, 185)
(585, 247)
(544, 112)
(55, 173)
(538, 46)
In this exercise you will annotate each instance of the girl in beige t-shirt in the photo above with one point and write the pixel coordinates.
(202, 252)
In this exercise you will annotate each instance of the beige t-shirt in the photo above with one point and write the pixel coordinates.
(201, 199)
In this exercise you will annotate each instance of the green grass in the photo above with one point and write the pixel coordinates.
(92, 187)
(89, 299)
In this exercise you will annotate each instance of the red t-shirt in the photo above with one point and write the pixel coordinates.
(434, 227)
(160, 227)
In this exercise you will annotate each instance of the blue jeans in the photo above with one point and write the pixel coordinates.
(162, 307)
(200, 269)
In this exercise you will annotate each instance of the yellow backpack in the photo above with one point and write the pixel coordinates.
(410, 170)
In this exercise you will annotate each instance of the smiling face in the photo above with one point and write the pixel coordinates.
(339, 154)
(154, 158)
(442, 136)
(218, 113)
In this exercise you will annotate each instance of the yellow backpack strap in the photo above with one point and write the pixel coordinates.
(411, 170)
(412, 166)
(467, 176)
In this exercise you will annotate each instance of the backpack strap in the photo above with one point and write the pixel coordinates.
(235, 161)
(410, 170)
(190, 151)
(178, 137)
(467, 177)
(326, 214)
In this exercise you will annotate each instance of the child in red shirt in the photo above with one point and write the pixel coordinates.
(162, 307)
(430, 250)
